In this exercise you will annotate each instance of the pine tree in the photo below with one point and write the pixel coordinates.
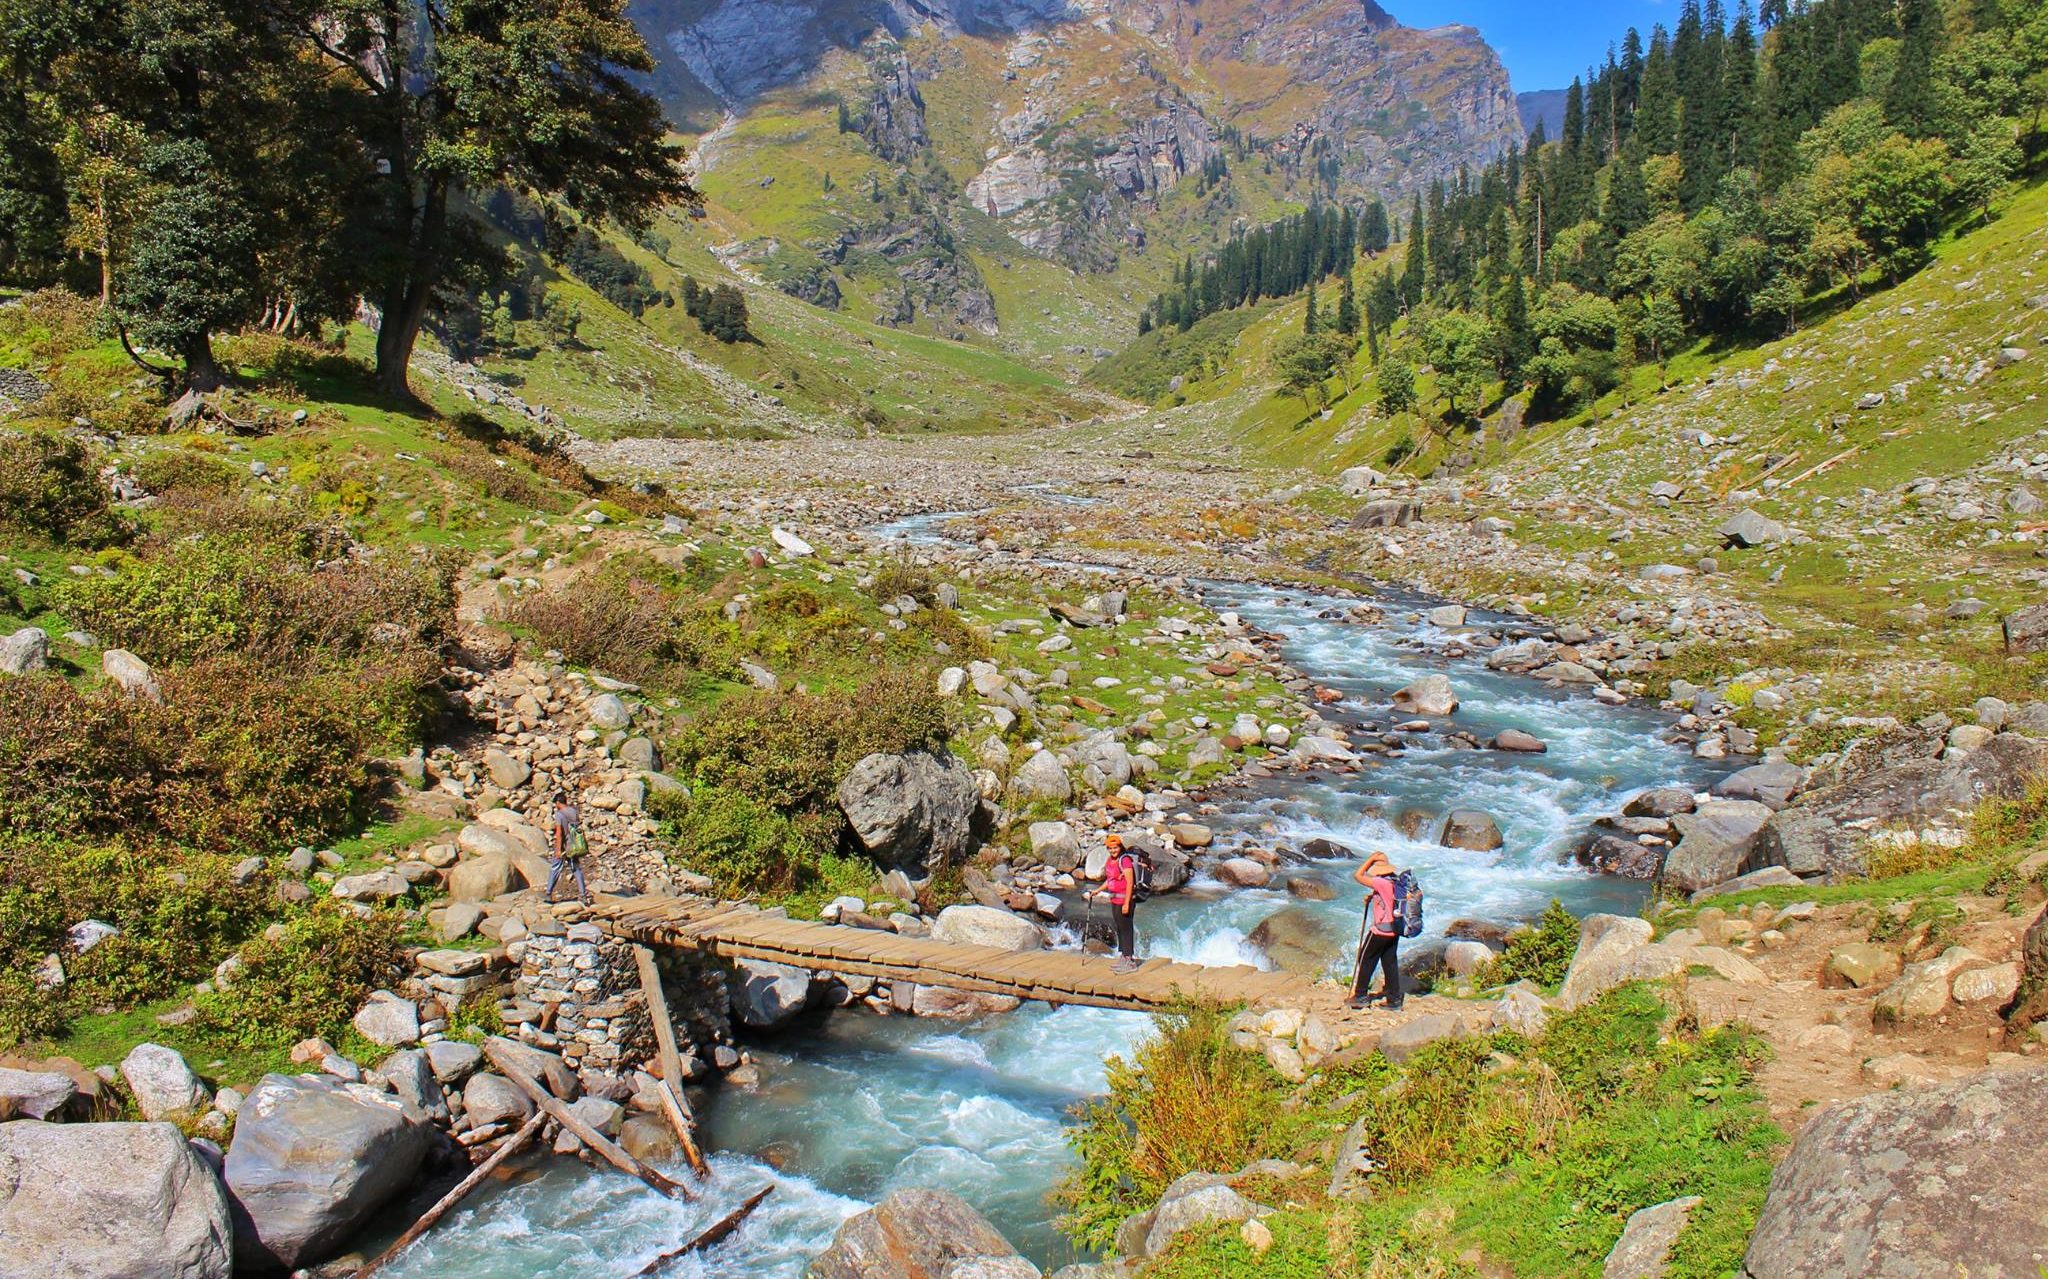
(1347, 308)
(1657, 109)
(1628, 203)
(1909, 105)
(1741, 123)
(1374, 234)
(1415, 269)
(1309, 320)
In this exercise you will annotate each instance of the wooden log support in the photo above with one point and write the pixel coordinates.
(507, 1148)
(671, 1060)
(716, 1231)
(606, 1148)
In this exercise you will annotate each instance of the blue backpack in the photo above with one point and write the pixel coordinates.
(1408, 903)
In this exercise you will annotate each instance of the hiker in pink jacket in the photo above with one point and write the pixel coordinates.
(1119, 884)
(1382, 935)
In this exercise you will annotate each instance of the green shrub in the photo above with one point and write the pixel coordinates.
(307, 980)
(184, 470)
(54, 322)
(903, 576)
(742, 844)
(245, 761)
(1541, 954)
(231, 758)
(71, 762)
(177, 913)
(234, 591)
(50, 490)
(625, 619)
(789, 751)
(1188, 1101)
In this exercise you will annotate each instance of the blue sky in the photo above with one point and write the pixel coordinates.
(1543, 42)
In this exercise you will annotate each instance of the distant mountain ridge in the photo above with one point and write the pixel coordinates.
(1544, 107)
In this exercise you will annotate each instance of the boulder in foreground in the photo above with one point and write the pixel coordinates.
(1947, 1180)
(911, 1234)
(312, 1159)
(109, 1201)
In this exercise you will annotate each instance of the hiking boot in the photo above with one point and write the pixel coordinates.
(1397, 1005)
(1124, 964)
(1358, 1002)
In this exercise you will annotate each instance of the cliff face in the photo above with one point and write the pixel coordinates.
(1073, 124)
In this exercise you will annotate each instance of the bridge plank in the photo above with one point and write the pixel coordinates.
(741, 931)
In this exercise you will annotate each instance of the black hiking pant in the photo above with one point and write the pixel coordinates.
(1382, 949)
(1126, 931)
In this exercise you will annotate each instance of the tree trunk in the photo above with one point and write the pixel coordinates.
(406, 301)
(202, 373)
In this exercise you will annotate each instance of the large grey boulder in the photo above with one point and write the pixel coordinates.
(1417, 1033)
(109, 1201)
(313, 1158)
(1470, 829)
(25, 652)
(494, 1099)
(1771, 784)
(1714, 843)
(35, 1094)
(1824, 835)
(1644, 1249)
(1605, 942)
(912, 811)
(1042, 778)
(1196, 1199)
(2026, 629)
(768, 994)
(1388, 512)
(987, 926)
(1947, 1180)
(162, 1085)
(130, 674)
(911, 1234)
(1747, 528)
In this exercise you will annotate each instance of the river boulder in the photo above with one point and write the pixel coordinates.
(110, 1201)
(312, 1159)
(1714, 843)
(987, 926)
(162, 1085)
(1660, 801)
(1299, 940)
(1946, 1180)
(911, 1234)
(1430, 695)
(1041, 779)
(768, 994)
(1470, 829)
(36, 1094)
(911, 811)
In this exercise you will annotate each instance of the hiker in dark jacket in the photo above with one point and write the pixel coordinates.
(1381, 942)
(568, 846)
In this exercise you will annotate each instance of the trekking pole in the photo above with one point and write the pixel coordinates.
(1358, 956)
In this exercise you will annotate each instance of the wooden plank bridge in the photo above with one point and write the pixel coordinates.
(738, 931)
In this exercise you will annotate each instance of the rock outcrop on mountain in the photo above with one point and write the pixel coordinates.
(1082, 131)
